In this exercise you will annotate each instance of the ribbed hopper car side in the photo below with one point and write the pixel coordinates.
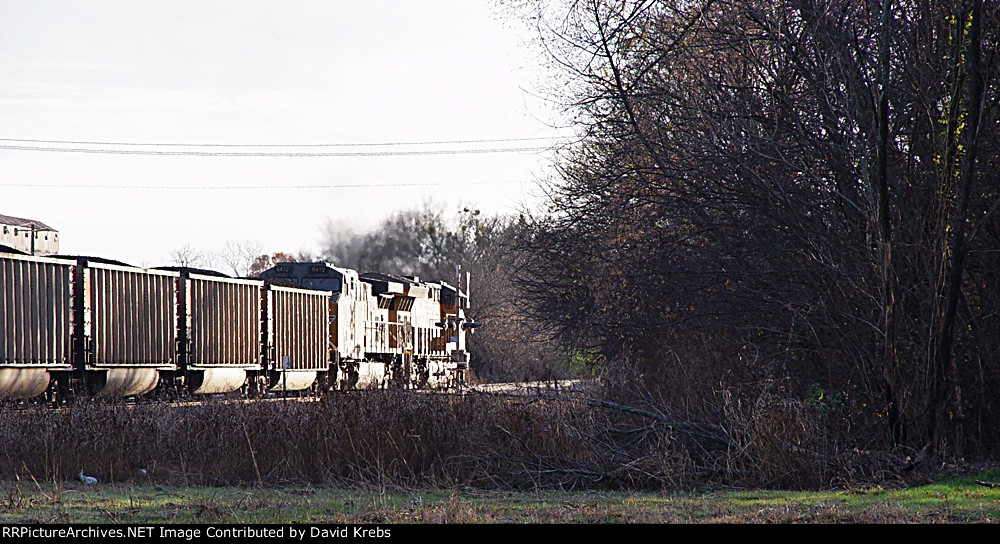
(36, 309)
(126, 326)
(350, 308)
(220, 336)
(296, 337)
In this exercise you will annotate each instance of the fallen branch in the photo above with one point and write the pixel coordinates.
(687, 427)
(912, 463)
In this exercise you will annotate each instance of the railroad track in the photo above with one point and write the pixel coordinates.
(522, 389)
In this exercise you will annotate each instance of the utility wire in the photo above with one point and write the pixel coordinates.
(252, 187)
(369, 144)
(275, 153)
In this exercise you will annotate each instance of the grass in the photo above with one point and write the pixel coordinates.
(955, 500)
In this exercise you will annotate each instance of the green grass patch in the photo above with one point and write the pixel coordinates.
(953, 500)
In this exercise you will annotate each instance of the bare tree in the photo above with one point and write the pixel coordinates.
(239, 257)
(188, 256)
(792, 192)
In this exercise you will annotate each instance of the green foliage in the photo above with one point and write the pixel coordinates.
(583, 362)
(825, 402)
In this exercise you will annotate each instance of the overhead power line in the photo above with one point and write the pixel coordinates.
(254, 187)
(359, 144)
(275, 153)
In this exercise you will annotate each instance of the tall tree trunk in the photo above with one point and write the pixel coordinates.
(890, 363)
(944, 408)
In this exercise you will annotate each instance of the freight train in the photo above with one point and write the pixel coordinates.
(78, 326)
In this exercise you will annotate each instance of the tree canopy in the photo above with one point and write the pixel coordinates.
(783, 194)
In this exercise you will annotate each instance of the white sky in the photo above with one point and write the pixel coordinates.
(254, 72)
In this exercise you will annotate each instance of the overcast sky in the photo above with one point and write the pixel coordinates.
(259, 73)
